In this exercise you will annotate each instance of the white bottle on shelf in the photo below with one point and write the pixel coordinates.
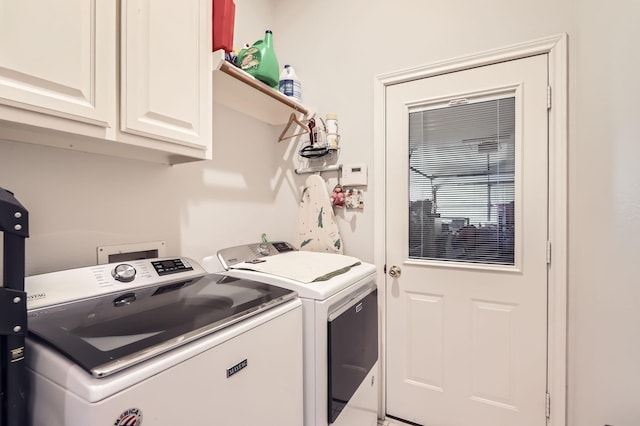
(290, 84)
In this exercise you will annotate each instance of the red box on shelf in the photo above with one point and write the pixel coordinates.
(223, 21)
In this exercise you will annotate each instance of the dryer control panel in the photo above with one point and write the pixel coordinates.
(248, 252)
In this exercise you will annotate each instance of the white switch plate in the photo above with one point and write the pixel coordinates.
(354, 175)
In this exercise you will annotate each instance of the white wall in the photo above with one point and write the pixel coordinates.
(337, 47)
(605, 214)
(79, 201)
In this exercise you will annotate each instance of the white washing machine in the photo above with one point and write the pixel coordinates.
(162, 342)
(340, 310)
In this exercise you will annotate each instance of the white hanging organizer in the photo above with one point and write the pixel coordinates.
(318, 154)
(315, 152)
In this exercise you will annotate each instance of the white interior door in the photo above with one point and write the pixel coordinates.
(466, 237)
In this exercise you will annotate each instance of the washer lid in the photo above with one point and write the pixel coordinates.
(108, 333)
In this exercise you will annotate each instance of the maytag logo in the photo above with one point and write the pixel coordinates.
(37, 296)
(239, 366)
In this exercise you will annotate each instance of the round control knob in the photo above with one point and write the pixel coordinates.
(263, 249)
(124, 273)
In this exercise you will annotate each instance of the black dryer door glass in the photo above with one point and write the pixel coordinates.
(353, 350)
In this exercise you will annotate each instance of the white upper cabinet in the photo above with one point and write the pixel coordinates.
(166, 70)
(57, 57)
(63, 64)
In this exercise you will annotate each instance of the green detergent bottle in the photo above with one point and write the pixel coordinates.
(260, 61)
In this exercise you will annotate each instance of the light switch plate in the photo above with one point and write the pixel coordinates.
(354, 175)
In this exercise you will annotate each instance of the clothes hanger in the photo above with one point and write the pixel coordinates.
(293, 118)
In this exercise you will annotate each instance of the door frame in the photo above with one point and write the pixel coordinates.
(556, 49)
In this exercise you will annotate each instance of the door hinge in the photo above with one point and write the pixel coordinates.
(548, 97)
(548, 405)
(385, 269)
(548, 252)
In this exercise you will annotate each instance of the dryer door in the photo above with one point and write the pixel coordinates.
(353, 348)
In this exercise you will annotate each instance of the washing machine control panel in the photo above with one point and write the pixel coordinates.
(248, 252)
(171, 266)
(74, 284)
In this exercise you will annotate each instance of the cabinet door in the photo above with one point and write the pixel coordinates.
(166, 70)
(57, 57)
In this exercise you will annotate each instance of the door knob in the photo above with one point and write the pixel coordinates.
(395, 272)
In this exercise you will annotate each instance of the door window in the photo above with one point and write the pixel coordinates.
(461, 181)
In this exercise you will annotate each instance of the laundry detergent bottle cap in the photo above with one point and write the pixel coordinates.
(260, 61)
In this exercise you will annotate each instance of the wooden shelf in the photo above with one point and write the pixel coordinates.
(242, 92)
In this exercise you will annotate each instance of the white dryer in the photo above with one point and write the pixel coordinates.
(340, 325)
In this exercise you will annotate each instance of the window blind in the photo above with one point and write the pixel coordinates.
(461, 180)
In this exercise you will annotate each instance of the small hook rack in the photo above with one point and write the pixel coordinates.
(320, 169)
